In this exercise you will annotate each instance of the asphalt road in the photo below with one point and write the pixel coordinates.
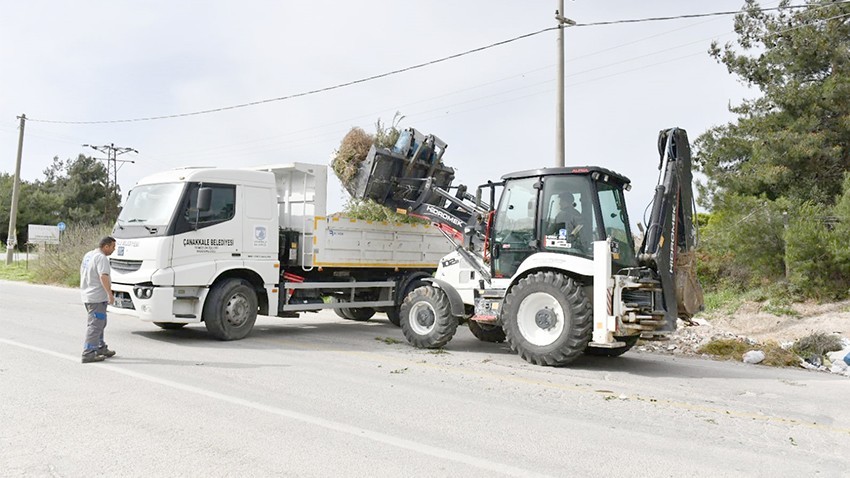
(320, 396)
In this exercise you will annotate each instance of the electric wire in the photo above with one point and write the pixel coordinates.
(425, 64)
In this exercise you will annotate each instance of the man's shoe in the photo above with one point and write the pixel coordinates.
(93, 358)
(106, 353)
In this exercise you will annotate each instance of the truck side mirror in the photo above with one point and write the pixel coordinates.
(204, 199)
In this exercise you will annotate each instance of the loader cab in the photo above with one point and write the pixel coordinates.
(563, 211)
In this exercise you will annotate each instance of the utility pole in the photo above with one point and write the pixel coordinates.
(12, 239)
(112, 152)
(563, 22)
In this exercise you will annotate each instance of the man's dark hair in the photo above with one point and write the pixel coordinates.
(107, 240)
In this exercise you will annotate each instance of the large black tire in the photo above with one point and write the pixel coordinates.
(487, 332)
(394, 313)
(394, 316)
(547, 319)
(231, 310)
(616, 352)
(169, 325)
(360, 314)
(426, 318)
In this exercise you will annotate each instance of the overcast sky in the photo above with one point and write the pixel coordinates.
(120, 59)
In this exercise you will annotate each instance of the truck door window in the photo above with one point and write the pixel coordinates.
(513, 229)
(222, 207)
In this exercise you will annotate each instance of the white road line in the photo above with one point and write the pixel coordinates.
(441, 453)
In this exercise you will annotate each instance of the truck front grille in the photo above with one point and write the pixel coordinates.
(124, 265)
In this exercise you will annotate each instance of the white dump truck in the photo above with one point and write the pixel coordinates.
(220, 246)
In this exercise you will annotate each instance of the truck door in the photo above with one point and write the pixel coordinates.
(514, 237)
(204, 238)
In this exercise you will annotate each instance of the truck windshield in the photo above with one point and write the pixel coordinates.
(150, 205)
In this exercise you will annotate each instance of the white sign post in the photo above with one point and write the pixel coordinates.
(39, 234)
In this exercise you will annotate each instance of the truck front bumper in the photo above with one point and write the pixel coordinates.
(160, 304)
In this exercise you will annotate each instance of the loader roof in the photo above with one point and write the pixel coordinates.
(577, 170)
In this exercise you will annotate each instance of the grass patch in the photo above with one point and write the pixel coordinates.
(16, 271)
(723, 300)
(734, 349)
(438, 352)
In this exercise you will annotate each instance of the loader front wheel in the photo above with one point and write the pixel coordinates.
(487, 332)
(426, 319)
(230, 310)
(547, 319)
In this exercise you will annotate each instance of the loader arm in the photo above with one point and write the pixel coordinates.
(670, 241)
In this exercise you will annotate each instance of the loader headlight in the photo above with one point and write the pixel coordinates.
(143, 292)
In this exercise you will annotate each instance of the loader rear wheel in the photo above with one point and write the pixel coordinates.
(547, 319)
(426, 319)
(169, 325)
(231, 310)
(487, 332)
(616, 352)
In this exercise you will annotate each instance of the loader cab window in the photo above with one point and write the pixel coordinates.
(614, 216)
(222, 207)
(568, 223)
(513, 227)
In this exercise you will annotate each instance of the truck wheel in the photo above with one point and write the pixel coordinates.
(604, 352)
(426, 319)
(360, 314)
(547, 319)
(169, 325)
(394, 316)
(231, 310)
(487, 332)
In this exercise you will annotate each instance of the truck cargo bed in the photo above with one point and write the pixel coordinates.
(339, 241)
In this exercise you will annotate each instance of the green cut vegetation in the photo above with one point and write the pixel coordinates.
(734, 349)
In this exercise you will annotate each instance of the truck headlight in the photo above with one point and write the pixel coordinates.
(143, 292)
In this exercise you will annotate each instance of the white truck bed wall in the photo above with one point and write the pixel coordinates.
(343, 242)
(302, 191)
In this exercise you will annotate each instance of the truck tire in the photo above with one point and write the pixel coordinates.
(487, 332)
(547, 319)
(360, 314)
(605, 352)
(169, 325)
(231, 309)
(426, 318)
(394, 316)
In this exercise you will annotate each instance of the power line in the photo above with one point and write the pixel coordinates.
(430, 63)
(310, 92)
(702, 15)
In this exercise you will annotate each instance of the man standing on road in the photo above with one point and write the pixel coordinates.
(96, 291)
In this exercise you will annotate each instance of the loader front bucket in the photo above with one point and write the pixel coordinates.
(396, 180)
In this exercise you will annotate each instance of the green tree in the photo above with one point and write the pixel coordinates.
(794, 140)
(73, 191)
(787, 151)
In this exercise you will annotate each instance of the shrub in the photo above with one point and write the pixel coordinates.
(817, 266)
(60, 263)
(742, 243)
